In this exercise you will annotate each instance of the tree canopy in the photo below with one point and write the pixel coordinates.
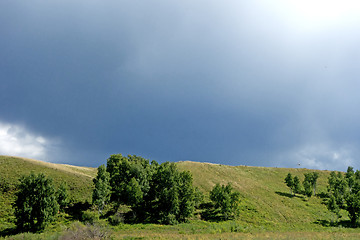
(344, 193)
(156, 193)
(226, 201)
(35, 204)
(101, 192)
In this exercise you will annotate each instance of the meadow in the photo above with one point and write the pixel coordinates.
(268, 210)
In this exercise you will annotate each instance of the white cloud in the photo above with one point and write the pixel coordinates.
(16, 140)
(322, 156)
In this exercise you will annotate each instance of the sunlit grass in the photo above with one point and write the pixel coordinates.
(268, 211)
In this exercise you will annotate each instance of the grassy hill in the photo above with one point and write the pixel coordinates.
(265, 198)
(266, 204)
(79, 180)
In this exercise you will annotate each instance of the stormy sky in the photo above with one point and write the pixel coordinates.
(261, 83)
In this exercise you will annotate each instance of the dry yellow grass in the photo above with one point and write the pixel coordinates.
(86, 171)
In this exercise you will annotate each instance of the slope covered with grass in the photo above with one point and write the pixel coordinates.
(78, 179)
(266, 202)
(265, 198)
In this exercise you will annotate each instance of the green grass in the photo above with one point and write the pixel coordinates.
(79, 180)
(265, 198)
(267, 209)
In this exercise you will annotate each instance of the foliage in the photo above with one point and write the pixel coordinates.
(353, 207)
(198, 197)
(102, 190)
(308, 191)
(130, 183)
(289, 182)
(266, 210)
(62, 196)
(187, 196)
(35, 204)
(296, 185)
(344, 193)
(225, 200)
(293, 183)
(337, 189)
(134, 193)
(78, 231)
(122, 169)
(333, 206)
(172, 194)
(158, 193)
(309, 183)
(119, 216)
(90, 216)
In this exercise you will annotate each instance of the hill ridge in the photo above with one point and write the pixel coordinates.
(65, 167)
(265, 199)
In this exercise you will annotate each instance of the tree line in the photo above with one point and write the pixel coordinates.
(308, 187)
(343, 192)
(150, 192)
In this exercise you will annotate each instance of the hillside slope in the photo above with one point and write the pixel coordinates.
(265, 198)
(79, 179)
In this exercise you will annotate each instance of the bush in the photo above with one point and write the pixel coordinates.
(35, 205)
(79, 232)
(225, 201)
(4, 186)
(121, 215)
(62, 196)
(90, 216)
(117, 219)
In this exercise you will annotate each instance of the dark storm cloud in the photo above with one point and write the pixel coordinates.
(232, 83)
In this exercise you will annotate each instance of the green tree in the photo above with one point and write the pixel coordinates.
(122, 169)
(62, 196)
(344, 193)
(35, 204)
(289, 182)
(309, 183)
(353, 207)
(133, 193)
(102, 190)
(157, 193)
(226, 201)
(296, 185)
(172, 194)
(333, 206)
(187, 196)
(165, 193)
(350, 177)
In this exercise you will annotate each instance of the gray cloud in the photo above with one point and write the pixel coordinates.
(231, 82)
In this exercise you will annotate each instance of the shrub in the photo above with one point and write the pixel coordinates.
(79, 232)
(35, 205)
(225, 201)
(90, 216)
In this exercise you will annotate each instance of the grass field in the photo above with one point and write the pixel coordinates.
(79, 180)
(268, 210)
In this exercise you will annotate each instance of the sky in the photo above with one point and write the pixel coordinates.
(258, 83)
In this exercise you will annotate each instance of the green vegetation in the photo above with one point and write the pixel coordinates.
(290, 183)
(309, 183)
(35, 205)
(155, 193)
(266, 208)
(344, 193)
(101, 193)
(225, 201)
(62, 196)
